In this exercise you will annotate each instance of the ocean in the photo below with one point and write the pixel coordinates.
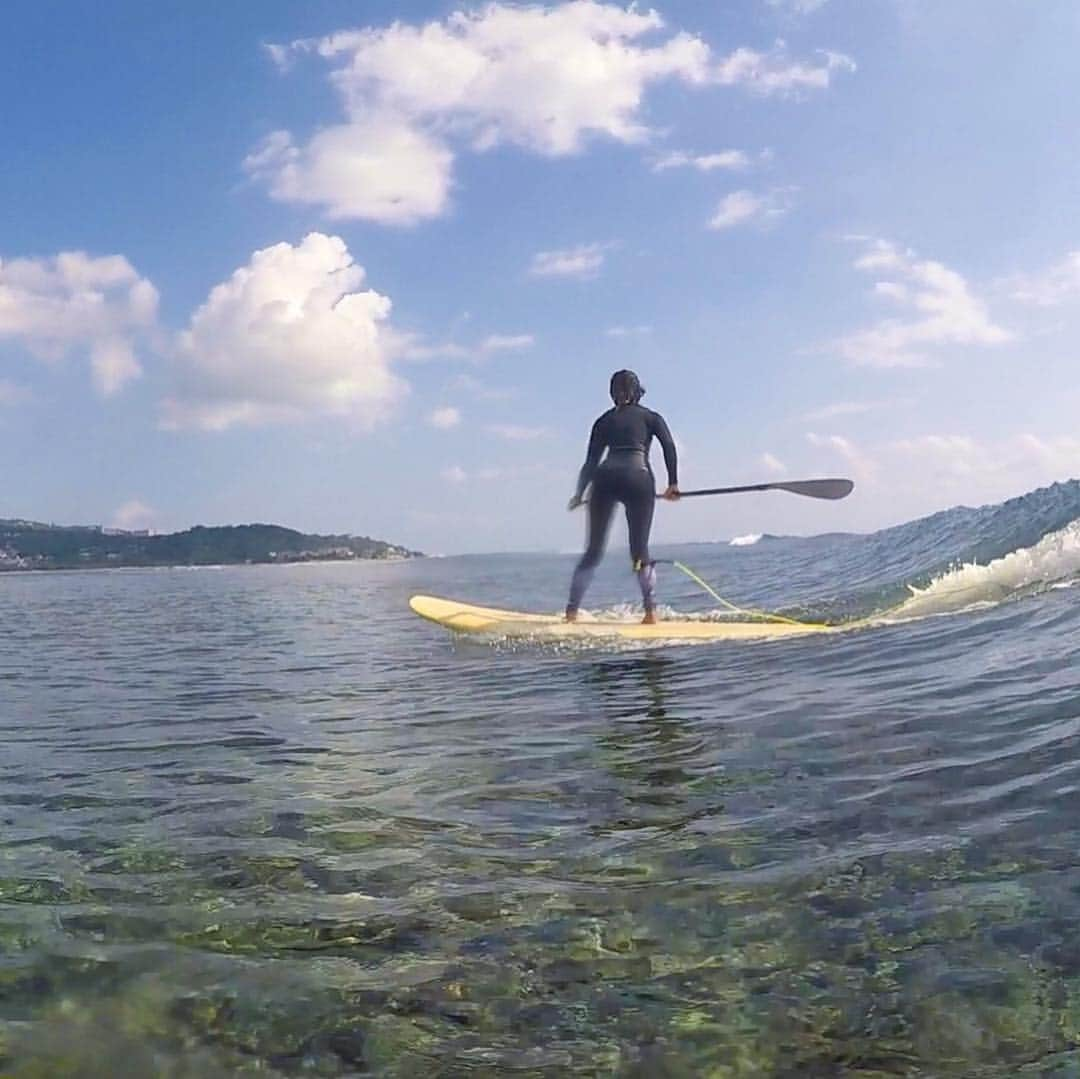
(265, 821)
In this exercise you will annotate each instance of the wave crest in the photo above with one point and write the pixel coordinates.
(1055, 559)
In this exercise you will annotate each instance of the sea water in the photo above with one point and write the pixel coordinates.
(263, 820)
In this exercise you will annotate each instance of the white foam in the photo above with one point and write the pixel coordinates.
(1053, 561)
(745, 541)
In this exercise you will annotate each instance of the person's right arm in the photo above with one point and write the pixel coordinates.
(597, 445)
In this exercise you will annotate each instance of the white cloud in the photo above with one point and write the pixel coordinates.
(544, 79)
(735, 209)
(507, 342)
(776, 73)
(1018, 462)
(75, 303)
(892, 290)
(935, 470)
(482, 390)
(1059, 456)
(133, 515)
(941, 311)
(445, 418)
(798, 7)
(493, 473)
(457, 475)
(515, 433)
(413, 347)
(744, 207)
(582, 261)
(852, 408)
(773, 465)
(1056, 286)
(733, 160)
(957, 454)
(628, 331)
(861, 463)
(290, 335)
(380, 169)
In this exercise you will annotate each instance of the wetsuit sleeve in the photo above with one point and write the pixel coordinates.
(597, 445)
(667, 443)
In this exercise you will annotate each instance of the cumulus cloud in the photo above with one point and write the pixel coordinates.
(454, 474)
(445, 418)
(133, 515)
(543, 79)
(773, 465)
(582, 261)
(733, 160)
(1055, 286)
(546, 80)
(100, 308)
(288, 336)
(746, 207)
(938, 310)
(381, 169)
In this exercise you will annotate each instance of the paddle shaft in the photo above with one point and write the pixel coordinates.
(831, 489)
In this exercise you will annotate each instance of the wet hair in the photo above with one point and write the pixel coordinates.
(626, 388)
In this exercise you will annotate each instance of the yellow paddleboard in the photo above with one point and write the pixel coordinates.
(465, 618)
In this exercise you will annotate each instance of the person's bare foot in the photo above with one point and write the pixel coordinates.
(649, 619)
(571, 614)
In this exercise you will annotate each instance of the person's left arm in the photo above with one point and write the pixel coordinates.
(671, 455)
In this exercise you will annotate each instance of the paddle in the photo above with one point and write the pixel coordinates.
(832, 489)
(810, 488)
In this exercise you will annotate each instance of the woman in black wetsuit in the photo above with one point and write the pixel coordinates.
(626, 432)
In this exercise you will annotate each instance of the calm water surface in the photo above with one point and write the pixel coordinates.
(261, 820)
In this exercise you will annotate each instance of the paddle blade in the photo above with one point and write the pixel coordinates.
(832, 489)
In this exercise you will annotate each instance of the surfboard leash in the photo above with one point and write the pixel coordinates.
(766, 615)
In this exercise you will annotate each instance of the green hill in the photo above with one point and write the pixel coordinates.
(32, 545)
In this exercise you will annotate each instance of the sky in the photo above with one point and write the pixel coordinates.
(368, 267)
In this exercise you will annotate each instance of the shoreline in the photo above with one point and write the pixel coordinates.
(22, 570)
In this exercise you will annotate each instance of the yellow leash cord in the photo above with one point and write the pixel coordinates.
(743, 610)
(769, 617)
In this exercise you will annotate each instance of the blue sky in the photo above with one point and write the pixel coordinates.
(368, 267)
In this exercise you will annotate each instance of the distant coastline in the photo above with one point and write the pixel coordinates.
(33, 545)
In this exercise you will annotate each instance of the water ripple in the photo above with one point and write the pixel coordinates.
(254, 819)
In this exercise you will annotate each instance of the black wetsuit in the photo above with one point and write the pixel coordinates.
(623, 476)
